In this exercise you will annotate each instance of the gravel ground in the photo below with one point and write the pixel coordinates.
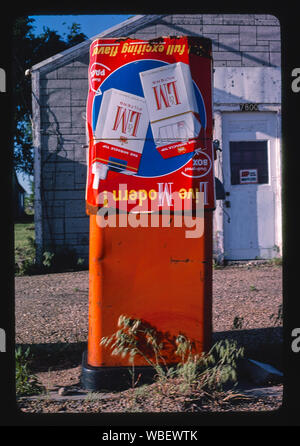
(52, 317)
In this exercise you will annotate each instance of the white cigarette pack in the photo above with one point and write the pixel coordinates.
(123, 120)
(171, 102)
(119, 135)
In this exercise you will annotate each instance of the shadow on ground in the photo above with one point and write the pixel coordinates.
(261, 344)
(54, 357)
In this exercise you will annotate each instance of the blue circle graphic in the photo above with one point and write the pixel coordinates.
(126, 78)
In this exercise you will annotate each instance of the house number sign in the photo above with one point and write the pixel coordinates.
(249, 107)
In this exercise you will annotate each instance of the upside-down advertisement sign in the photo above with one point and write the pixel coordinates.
(149, 123)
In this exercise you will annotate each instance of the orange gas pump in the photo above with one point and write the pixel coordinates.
(145, 261)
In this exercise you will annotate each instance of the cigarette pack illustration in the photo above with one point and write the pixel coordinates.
(119, 135)
(172, 108)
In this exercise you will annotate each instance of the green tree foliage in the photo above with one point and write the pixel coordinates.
(28, 50)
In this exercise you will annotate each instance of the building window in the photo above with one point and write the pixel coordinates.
(249, 162)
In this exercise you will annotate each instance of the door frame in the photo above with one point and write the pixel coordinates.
(220, 213)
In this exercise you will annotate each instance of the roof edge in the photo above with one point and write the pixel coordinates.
(130, 25)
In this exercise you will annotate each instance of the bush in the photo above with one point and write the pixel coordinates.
(62, 259)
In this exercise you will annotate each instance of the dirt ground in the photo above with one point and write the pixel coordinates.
(52, 318)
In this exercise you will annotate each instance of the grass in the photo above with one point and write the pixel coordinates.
(22, 232)
(26, 382)
(194, 379)
(62, 259)
(208, 371)
(24, 248)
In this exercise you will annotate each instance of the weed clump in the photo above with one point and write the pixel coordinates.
(209, 371)
(26, 382)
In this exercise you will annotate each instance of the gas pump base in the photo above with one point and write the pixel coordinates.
(112, 378)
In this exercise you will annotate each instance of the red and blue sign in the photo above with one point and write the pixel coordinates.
(149, 123)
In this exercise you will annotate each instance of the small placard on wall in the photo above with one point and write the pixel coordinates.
(249, 107)
(248, 176)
